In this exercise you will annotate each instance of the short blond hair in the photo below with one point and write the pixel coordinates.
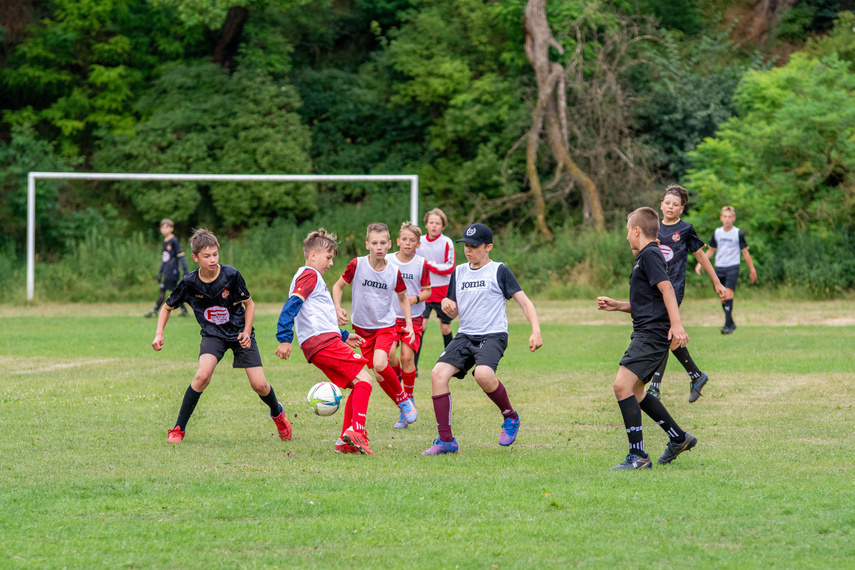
(647, 219)
(437, 212)
(321, 241)
(728, 209)
(412, 228)
(201, 239)
(378, 227)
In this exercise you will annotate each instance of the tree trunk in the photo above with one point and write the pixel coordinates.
(551, 109)
(227, 46)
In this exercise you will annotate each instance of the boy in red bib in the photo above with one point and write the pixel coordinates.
(377, 286)
(414, 269)
(311, 309)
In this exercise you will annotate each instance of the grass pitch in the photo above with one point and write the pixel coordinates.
(87, 479)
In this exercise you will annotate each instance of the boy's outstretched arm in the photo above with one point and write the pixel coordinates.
(162, 318)
(535, 341)
(752, 276)
(709, 255)
(676, 334)
(285, 325)
(704, 261)
(245, 336)
(609, 304)
(336, 297)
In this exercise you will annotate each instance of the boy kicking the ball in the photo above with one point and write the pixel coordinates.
(477, 293)
(311, 309)
(377, 287)
(224, 309)
(656, 328)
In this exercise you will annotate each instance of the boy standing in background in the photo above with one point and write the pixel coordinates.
(169, 259)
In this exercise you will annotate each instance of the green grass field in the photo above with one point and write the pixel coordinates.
(87, 479)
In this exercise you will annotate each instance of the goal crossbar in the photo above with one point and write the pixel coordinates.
(33, 176)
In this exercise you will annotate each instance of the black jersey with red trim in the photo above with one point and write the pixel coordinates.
(676, 242)
(169, 259)
(218, 305)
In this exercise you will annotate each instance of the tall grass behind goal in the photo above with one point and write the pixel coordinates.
(33, 176)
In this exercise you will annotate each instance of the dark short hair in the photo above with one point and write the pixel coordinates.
(676, 190)
(168, 222)
(647, 219)
(377, 227)
(320, 241)
(201, 239)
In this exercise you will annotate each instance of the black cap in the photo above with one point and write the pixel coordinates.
(476, 234)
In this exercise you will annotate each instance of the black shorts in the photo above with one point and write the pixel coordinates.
(644, 355)
(169, 285)
(728, 276)
(443, 318)
(243, 357)
(465, 352)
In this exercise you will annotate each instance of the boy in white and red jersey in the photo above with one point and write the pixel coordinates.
(377, 287)
(311, 309)
(416, 276)
(438, 250)
(477, 292)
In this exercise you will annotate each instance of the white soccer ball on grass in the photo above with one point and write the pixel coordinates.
(324, 398)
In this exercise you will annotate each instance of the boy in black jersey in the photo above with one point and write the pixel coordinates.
(224, 309)
(172, 254)
(676, 239)
(656, 328)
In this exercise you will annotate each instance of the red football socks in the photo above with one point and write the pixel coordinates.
(360, 396)
(409, 383)
(389, 382)
(500, 398)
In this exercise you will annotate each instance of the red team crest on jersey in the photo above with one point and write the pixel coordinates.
(217, 315)
(225, 293)
(676, 236)
(667, 252)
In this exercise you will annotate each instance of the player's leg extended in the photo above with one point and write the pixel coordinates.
(395, 362)
(629, 390)
(655, 387)
(680, 440)
(439, 380)
(388, 381)
(495, 390)
(697, 379)
(268, 396)
(207, 363)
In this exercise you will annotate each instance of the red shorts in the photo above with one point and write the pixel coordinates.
(376, 339)
(418, 328)
(339, 363)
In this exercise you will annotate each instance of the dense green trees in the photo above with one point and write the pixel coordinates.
(654, 91)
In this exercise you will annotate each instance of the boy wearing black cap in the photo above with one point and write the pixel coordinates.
(477, 293)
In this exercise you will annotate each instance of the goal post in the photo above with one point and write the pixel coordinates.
(33, 176)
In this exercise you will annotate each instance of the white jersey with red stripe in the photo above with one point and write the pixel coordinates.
(317, 315)
(374, 293)
(439, 253)
(416, 277)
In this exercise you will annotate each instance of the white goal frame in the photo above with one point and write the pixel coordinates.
(33, 176)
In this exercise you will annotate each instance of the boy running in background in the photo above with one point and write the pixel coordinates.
(224, 309)
(676, 239)
(477, 292)
(169, 259)
(438, 250)
(729, 240)
(656, 328)
(416, 276)
(310, 307)
(377, 286)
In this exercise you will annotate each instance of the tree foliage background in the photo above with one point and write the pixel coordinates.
(657, 92)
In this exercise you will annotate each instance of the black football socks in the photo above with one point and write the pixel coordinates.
(191, 398)
(685, 358)
(271, 401)
(657, 412)
(656, 379)
(631, 412)
(446, 338)
(728, 313)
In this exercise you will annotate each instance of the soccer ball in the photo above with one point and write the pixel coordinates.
(324, 398)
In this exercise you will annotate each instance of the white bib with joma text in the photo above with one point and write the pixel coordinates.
(373, 295)
(480, 301)
(317, 315)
